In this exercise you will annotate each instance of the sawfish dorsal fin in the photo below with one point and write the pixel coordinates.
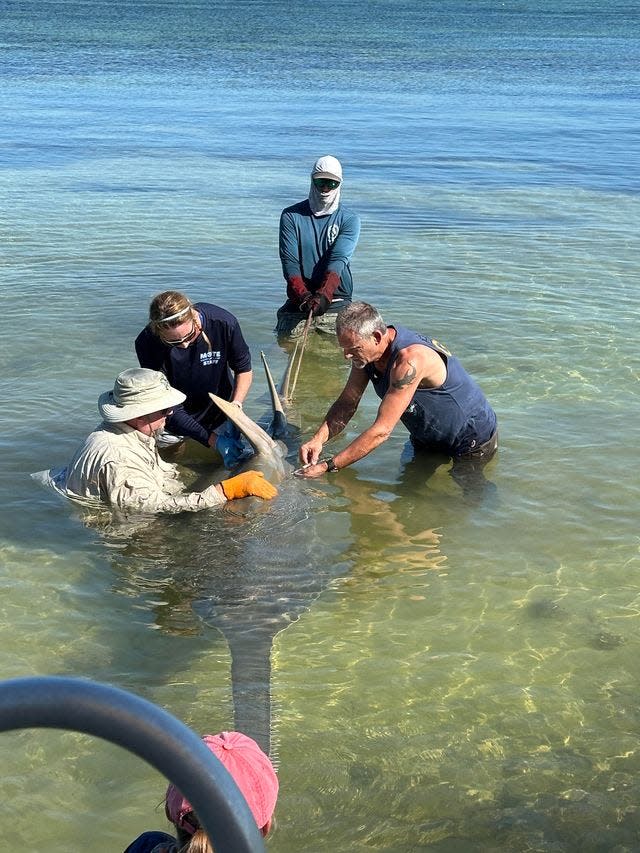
(286, 378)
(279, 422)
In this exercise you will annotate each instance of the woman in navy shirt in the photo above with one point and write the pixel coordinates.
(200, 349)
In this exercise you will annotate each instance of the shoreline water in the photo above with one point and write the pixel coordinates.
(469, 677)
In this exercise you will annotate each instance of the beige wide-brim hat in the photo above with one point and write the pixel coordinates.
(138, 391)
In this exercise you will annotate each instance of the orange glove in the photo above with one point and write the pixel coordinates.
(249, 483)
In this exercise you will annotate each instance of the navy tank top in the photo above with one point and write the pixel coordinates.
(454, 418)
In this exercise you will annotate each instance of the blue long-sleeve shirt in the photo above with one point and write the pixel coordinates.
(199, 369)
(311, 246)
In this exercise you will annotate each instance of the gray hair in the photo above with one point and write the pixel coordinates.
(360, 318)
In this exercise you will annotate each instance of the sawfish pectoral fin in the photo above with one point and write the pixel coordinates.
(253, 432)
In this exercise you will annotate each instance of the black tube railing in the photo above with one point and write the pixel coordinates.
(76, 704)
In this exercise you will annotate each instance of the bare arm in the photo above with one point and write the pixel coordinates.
(337, 417)
(242, 385)
(415, 366)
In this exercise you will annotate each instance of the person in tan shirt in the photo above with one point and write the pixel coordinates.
(119, 463)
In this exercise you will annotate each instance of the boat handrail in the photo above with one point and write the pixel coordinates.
(146, 730)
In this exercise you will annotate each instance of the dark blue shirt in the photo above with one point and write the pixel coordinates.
(454, 418)
(207, 365)
(148, 841)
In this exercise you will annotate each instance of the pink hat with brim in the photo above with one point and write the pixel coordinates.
(252, 772)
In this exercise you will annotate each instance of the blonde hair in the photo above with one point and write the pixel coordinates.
(198, 843)
(169, 309)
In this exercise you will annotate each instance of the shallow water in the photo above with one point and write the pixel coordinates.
(467, 679)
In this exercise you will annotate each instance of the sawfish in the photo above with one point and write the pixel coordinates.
(256, 572)
(249, 569)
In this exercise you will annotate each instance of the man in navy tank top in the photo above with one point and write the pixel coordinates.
(419, 382)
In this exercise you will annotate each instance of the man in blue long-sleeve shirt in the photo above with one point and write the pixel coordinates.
(317, 238)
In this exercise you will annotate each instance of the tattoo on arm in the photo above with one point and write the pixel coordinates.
(407, 379)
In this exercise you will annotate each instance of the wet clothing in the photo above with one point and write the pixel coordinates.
(291, 323)
(153, 842)
(455, 418)
(207, 365)
(121, 466)
(312, 246)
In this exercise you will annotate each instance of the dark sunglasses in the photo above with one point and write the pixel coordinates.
(188, 337)
(325, 184)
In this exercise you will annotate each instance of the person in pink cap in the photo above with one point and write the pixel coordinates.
(252, 772)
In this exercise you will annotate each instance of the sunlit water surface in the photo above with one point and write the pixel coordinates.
(465, 675)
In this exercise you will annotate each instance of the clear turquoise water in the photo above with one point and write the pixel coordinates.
(468, 679)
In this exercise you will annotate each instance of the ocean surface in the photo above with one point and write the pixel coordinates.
(465, 675)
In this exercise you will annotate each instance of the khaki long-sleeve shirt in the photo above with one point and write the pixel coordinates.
(121, 466)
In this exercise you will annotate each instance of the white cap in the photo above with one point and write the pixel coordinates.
(327, 167)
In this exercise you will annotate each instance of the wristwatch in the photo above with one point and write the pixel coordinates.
(331, 465)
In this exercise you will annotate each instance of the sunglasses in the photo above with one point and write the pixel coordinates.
(325, 184)
(161, 413)
(175, 342)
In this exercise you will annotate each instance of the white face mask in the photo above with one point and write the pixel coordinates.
(322, 204)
